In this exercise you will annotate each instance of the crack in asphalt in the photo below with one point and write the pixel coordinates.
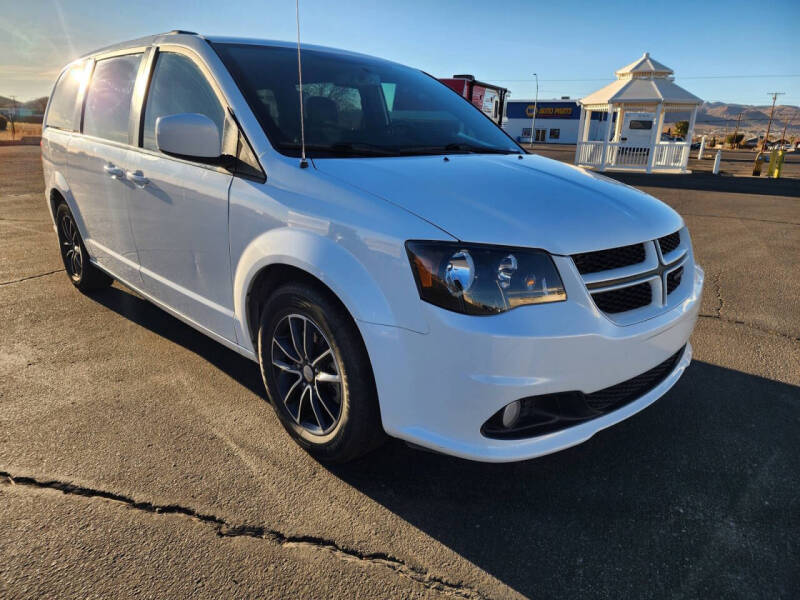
(718, 291)
(225, 529)
(31, 277)
(718, 315)
(782, 334)
(685, 214)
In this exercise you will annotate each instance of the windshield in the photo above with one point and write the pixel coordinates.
(357, 106)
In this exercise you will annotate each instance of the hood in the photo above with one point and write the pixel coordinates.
(530, 201)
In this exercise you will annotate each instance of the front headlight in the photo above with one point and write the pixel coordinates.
(477, 279)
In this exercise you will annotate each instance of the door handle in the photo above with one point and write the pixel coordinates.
(138, 178)
(113, 171)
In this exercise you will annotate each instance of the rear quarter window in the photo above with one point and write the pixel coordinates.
(61, 111)
(108, 100)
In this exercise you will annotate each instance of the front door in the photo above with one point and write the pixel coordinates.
(179, 209)
(97, 162)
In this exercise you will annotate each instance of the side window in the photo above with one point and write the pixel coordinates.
(178, 86)
(108, 100)
(61, 112)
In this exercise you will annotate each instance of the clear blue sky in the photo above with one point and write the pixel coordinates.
(503, 42)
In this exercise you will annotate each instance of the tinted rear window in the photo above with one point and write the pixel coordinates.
(108, 100)
(61, 112)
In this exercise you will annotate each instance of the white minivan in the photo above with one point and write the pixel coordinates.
(394, 261)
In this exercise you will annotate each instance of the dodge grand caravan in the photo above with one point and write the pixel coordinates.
(394, 262)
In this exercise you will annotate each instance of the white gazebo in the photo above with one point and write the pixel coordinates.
(632, 110)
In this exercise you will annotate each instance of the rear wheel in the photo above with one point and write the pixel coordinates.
(317, 374)
(83, 274)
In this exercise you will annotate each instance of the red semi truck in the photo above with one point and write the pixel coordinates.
(490, 99)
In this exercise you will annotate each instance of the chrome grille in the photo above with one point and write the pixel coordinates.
(623, 282)
(625, 298)
(674, 279)
(605, 260)
(668, 243)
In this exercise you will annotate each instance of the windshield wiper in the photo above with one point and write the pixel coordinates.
(457, 147)
(344, 149)
(363, 148)
(477, 149)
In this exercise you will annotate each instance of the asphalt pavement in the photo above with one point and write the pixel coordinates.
(140, 459)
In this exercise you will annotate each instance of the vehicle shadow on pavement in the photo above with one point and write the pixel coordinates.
(695, 496)
(712, 183)
(148, 315)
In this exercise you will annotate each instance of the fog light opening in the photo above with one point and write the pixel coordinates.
(511, 414)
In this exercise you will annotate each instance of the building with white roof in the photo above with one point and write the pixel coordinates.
(637, 102)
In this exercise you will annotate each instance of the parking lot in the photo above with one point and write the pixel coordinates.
(138, 458)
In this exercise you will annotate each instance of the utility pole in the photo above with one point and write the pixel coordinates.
(13, 116)
(783, 135)
(735, 133)
(771, 112)
(533, 118)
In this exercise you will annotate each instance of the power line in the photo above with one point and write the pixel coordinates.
(676, 77)
(722, 120)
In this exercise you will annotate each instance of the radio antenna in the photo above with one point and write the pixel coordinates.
(303, 161)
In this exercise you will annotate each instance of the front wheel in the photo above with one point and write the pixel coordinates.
(82, 273)
(317, 373)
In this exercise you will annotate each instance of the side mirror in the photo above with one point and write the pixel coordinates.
(188, 135)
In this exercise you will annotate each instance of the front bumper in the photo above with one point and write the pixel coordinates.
(437, 389)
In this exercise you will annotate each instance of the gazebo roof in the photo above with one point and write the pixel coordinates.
(644, 66)
(644, 81)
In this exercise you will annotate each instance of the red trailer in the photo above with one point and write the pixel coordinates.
(490, 99)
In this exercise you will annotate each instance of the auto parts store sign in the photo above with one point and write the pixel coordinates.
(544, 110)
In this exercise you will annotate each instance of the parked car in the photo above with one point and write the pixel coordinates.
(394, 261)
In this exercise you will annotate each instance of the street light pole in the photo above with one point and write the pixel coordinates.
(533, 118)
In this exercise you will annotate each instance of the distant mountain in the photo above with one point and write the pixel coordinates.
(715, 117)
(37, 105)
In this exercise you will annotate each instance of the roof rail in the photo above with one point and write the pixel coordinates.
(184, 31)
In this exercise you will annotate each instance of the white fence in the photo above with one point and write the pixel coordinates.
(589, 154)
(627, 157)
(670, 155)
(667, 156)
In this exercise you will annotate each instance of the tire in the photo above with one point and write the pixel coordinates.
(323, 391)
(82, 273)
